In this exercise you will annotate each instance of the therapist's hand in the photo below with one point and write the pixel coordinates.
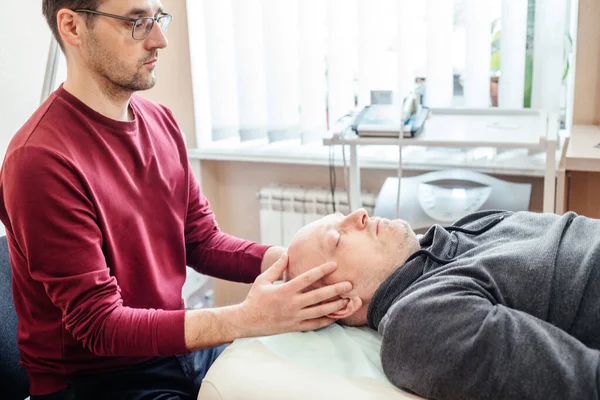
(271, 309)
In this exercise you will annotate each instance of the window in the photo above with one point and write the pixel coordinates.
(281, 69)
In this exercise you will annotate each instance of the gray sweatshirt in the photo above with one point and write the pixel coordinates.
(499, 306)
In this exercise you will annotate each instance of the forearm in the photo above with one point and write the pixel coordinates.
(212, 327)
(213, 252)
(226, 257)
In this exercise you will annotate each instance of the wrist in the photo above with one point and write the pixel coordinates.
(235, 321)
(212, 327)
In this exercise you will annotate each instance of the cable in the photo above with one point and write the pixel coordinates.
(332, 173)
(406, 102)
(403, 107)
(345, 166)
(399, 171)
(332, 177)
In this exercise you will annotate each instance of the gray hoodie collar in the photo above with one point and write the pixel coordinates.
(439, 244)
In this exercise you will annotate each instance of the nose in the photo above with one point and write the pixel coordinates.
(156, 39)
(357, 219)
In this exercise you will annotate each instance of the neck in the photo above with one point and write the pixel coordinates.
(99, 94)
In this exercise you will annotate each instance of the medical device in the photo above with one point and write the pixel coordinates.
(442, 197)
(384, 120)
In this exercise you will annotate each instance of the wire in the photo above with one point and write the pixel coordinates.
(342, 136)
(332, 173)
(399, 171)
(345, 166)
(332, 177)
(403, 105)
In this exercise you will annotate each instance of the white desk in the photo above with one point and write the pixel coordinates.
(497, 128)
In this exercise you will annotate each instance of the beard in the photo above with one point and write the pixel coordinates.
(119, 76)
(405, 234)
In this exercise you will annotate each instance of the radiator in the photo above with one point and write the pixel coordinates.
(284, 209)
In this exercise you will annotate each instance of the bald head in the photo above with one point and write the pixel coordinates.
(366, 250)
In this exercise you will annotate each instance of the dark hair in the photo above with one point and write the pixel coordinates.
(50, 9)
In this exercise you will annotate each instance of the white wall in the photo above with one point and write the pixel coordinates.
(25, 39)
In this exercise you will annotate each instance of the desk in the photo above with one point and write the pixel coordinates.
(463, 128)
(579, 173)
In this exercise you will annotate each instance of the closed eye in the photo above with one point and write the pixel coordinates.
(337, 244)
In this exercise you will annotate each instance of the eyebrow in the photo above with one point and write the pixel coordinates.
(143, 11)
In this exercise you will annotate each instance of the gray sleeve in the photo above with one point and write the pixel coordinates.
(448, 341)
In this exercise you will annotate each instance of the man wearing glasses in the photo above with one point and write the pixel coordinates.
(103, 213)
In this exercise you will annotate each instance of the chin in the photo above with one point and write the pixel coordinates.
(138, 82)
(150, 85)
(146, 84)
(402, 225)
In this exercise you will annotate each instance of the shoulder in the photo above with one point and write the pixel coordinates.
(432, 321)
(29, 162)
(438, 297)
(33, 176)
(39, 126)
(39, 141)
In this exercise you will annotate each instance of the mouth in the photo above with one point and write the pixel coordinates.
(377, 227)
(151, 62)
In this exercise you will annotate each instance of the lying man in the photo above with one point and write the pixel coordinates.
(498, 305)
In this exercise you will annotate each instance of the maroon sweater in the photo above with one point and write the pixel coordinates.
(102, 217)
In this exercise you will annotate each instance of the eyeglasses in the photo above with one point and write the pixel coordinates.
(141, 27)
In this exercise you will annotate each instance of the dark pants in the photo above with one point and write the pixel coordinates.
(174, 377)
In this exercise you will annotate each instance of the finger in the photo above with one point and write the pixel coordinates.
(325, 293)
(311, 276)
(317, 323)
(275, 271)
(323, 309)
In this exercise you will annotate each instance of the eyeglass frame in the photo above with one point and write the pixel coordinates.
(132, 20)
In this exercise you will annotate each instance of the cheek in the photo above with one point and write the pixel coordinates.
(335, 277)
(360, 255)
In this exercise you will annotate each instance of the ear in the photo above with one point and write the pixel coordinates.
(68, 22)
(353, 306)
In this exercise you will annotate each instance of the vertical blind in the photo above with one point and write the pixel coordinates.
(282, 69)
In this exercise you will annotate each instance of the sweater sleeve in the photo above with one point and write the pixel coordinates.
(55, 228)
(213, 252)
(450, 341)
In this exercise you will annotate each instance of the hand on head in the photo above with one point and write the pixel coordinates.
(271, 309)
(366, 250)
(335, 265)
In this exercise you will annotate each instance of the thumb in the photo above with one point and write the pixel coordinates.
(275, 271)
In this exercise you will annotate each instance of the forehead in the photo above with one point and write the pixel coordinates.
(135, 7)
(313, 244)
